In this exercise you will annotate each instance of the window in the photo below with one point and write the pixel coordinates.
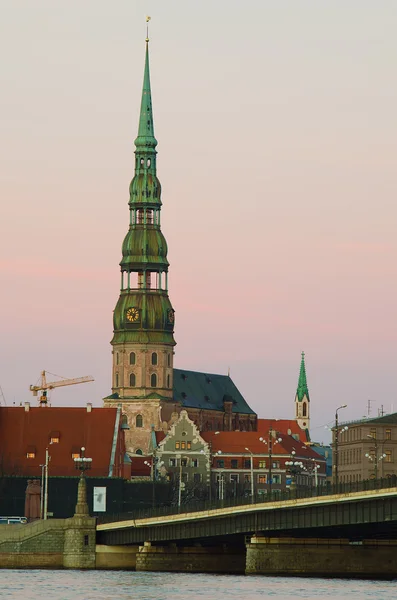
(124, 419)
(55, 436)
(168, 381)
(154, 358)
(153, 380)
(139, 421)
(262, 478)
(262, 464)
(177, 445)
(194, 462)
(169, 360)
(117, 380)
(139, 451)
(276, 464)
(304, 409)
(132, 358)
(188, 445)
(388, 457)
(183, 445)
(197, 477)
(234, 478)
(30, 455)
(184, 462)
(173, 462)
(388, 434)
(247, 463)
(86, 540)
(234, 463)
(117, 358)
(247, 478)
(372, 433)
(276, 479)
(185, 476)
(75, 455)
(132, 380)
(220, 464)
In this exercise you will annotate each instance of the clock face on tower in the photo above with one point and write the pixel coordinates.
(132, 314)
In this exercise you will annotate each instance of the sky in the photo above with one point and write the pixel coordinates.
(276, 124)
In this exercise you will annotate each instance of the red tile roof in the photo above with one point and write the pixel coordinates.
(30, 430)
(286, 426)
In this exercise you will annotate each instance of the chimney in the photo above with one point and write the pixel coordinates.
(89, 406)
(27, 406)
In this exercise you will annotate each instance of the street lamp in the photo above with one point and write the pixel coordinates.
(82, 463)
(376, 460)
(45, 495)
(295, 467)
(252, 474)
(269, 444)
(336, 460)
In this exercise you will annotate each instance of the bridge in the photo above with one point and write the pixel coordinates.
(351, 533)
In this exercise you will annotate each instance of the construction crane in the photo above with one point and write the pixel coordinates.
(45, 385)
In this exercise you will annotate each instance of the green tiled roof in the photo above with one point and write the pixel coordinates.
(207, 391)
(302, 389)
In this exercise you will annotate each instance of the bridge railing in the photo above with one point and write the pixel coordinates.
(275, 496)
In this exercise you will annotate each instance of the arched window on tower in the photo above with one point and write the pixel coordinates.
(169, 359)
(124, 419)
(297, 410)
(139, 451)
(117, 358)
(132, 380)
(304, 409)
(153, 380)
(154, 358)
(149, 217)
(116, 378)
(139, 421)
(132, 358)
(140, 215)
(168, 381)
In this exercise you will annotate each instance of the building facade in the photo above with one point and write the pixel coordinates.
(365, 449)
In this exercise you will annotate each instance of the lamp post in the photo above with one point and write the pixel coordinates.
(295, 467)
(252, 474)
(45, 495)
(269, 444)
(377, 459)
(82, 464)
(42, 492)
(336, 458)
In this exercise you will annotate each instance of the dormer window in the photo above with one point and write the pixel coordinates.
(55, 437)
(31, 452)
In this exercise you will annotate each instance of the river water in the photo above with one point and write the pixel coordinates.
(127, 585)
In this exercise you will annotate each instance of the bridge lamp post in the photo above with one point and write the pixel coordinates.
(336, 451)
(295, 467)
(252, 473)
(269, 444)
(377, 459)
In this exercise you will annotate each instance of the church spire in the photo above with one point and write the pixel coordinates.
(146, 128)
(302, 389)
(143, 320)
(302, 399)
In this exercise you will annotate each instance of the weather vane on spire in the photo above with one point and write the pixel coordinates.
(147, 28)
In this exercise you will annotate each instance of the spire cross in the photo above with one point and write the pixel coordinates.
(147, 28)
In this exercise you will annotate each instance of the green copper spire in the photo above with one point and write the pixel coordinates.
(146, 128)
(302, 382)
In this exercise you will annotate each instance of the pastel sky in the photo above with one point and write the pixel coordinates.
(277, 129)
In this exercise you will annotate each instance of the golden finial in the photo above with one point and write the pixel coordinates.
(147, 28)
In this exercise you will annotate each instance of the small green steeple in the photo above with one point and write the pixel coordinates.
(302, 389)
(146, 128)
